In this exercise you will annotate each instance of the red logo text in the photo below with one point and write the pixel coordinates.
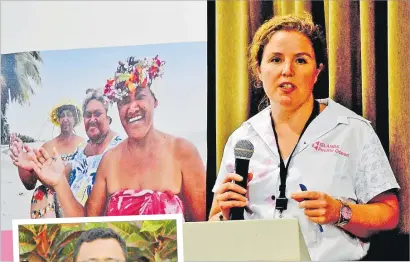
(328, 148)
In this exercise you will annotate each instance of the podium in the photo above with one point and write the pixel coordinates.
(244, 240)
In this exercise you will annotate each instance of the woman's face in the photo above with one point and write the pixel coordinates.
(66, 120)
(96, 121)
(137, 112)
(288, 69)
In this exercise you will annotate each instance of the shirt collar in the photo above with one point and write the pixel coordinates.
(333, 115)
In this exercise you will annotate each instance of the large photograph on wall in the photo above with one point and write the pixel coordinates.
(111, 131)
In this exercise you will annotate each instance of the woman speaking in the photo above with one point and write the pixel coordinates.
(313, 160)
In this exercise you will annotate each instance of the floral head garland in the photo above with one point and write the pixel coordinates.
(132, 74)
(54, 114)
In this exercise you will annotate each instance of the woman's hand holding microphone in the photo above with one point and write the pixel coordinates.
(231, 195)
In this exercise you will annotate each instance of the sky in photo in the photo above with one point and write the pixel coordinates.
(67, 74)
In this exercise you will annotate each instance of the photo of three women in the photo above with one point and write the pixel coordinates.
(149, 172)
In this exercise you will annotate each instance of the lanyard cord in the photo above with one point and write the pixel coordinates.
(282, 201)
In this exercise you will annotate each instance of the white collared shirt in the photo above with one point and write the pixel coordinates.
(339, 154)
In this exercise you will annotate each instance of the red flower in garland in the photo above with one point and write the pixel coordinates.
(144, 83)
(158, 62)
(133, 78)
(107, 90)
(130, 75)
(108, 85)
(153, 71)
(39, 195)
(110, 82)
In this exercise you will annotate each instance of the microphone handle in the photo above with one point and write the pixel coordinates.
(241, 168)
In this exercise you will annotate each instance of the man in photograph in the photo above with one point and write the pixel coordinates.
(100, 244)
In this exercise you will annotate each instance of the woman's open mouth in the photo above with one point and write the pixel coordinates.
(92, 128)
(287, 86)
(136, 119)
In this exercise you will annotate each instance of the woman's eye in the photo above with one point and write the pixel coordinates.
(301, 61)
(124, 101)
(276, 60)
(140, 97)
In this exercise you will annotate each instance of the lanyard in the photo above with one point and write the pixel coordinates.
(282, 201)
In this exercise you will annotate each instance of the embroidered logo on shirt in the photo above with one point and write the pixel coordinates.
(328, 148)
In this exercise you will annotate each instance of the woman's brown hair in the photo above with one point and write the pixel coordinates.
(299, 23)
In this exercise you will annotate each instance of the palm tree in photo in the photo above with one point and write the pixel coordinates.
(18, 71)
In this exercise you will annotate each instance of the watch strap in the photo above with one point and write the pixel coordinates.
(342, 220)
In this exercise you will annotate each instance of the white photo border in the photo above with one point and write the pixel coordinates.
(74, 220)
(63, 25)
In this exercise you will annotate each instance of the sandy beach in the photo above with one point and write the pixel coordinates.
(15, 198)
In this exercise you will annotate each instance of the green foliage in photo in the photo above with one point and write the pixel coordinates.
(149, 240)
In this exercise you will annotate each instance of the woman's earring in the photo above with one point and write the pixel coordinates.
(258, 84)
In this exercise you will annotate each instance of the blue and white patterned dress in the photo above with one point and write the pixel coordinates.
(84, 170)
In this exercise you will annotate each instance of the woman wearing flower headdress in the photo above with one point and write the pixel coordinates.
(150, 172)
(44, 203)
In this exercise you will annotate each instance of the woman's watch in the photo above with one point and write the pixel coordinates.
(345, 214)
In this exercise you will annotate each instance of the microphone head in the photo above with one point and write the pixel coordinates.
(243, 149)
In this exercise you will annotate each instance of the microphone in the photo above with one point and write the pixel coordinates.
(243, 152)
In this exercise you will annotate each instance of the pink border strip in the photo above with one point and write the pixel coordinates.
(6, 245)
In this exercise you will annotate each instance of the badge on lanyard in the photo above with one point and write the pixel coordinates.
(282, 201)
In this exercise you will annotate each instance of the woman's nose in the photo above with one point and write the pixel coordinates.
(287, 69)
(93, 118)
(134, 106)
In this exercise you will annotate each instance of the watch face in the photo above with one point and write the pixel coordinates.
(346, 212)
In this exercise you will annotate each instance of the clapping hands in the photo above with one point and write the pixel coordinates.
(21, 154)
(49, 168)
